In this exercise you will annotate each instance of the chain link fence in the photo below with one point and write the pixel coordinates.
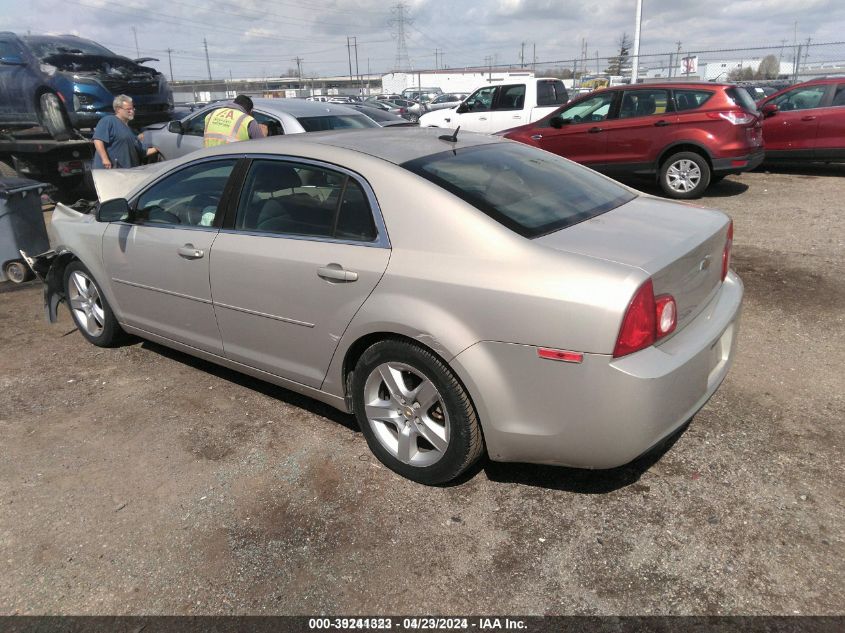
(782, 63)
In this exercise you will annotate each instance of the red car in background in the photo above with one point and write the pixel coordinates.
(806, 121)
(687, 135)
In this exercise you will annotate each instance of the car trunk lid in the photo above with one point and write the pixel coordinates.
(679, 250)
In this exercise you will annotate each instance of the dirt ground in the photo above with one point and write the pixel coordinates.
(141, 481)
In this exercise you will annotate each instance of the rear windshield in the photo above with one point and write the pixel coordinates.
(527, 190)
(335, 122)
(741, 98)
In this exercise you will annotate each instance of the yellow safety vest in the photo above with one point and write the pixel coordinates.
(226, 125)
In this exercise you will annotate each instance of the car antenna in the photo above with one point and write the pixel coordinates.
(453, 138)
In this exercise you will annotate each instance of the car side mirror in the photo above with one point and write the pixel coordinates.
(175, 127)
(558, 122)
(462, 109)
(12, 60)
(116, 210)
(769, 109)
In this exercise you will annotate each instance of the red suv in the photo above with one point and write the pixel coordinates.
(686, 134)
(806, 121)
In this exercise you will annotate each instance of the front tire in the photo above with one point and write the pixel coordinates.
(415, 414)
(684, 175)
(89, 309)
(53, 116)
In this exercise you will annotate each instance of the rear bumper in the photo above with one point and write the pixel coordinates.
(603, 412)
(738, 164)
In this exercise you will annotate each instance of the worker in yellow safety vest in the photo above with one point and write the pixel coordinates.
(233, 122)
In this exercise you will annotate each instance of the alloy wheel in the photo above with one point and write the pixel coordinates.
(683, 175)
(407, 414)
(86, 303)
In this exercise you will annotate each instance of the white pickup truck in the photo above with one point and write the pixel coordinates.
(518, 99)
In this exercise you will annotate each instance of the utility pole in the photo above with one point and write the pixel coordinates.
(170, 61)
(137, 50)
(534, 59)
(357, 72)
(207, 62)
(298, 61)
(349, 57)
(635, 69)
(489, 61)
(522, 56)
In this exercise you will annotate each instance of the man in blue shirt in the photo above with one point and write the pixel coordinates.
(114, 141)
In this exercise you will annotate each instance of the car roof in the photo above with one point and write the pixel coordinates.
(394, 145)
(293, 107)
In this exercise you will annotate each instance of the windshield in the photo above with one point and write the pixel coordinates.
(42, 47)
(741, 98)
(527, 190)
(335, 122)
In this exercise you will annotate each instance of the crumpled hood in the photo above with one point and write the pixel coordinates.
(109, 66)
(121, 183)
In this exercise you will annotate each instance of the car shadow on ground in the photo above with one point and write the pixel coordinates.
(577, 480)
(803, 169)
(268, 389)
(725, 188)
(8, 286)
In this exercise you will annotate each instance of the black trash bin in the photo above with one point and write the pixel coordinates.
(21, 226)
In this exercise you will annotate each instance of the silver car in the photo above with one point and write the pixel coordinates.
(450, 100)
(460, 294)
(281, 116)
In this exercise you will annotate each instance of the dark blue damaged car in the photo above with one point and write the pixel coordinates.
(65, 82)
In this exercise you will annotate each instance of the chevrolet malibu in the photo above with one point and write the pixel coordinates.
(460, 294)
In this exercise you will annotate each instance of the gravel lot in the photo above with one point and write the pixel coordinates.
(141, 481)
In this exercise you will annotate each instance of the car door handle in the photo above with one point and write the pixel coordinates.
(536, 137)
(594, 130)
(482, 118)
(809, 117)
(335, 272)
(661, 123)
(188, 251)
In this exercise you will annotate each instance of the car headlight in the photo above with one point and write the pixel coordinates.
(87, 81)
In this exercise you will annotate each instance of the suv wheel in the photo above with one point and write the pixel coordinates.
(684, 175)
(53, 116)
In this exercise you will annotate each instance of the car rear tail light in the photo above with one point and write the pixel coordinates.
(646, 320)
(726, 254)
(733, 116)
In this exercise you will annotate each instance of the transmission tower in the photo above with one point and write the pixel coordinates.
(402, 62)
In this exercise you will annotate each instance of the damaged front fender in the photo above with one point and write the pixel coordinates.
(49, 268)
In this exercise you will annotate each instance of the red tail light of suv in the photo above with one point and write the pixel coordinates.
(687, 135)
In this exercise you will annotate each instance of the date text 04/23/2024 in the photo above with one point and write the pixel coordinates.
(417, 623)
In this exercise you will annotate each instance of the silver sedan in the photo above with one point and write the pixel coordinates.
(281, 116)
(461, 294)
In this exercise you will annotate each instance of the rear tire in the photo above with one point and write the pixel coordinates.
(53, 116)
(89, 309)
(684, 175)
(17, 272)
(416, 416)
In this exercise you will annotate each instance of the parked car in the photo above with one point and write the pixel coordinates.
(684, 135)
(493, 108)
(281, 116)
(529, 307)
(389, 106)
(62, 82)
(382, 117)
(418, 94)
(448, 100)
(806, 121)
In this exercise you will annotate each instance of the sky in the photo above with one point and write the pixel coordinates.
(261, 38)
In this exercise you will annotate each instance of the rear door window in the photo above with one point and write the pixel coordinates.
(511, 97)
(290, 198)
(839, 97)
(644, 102)
(691, 99)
